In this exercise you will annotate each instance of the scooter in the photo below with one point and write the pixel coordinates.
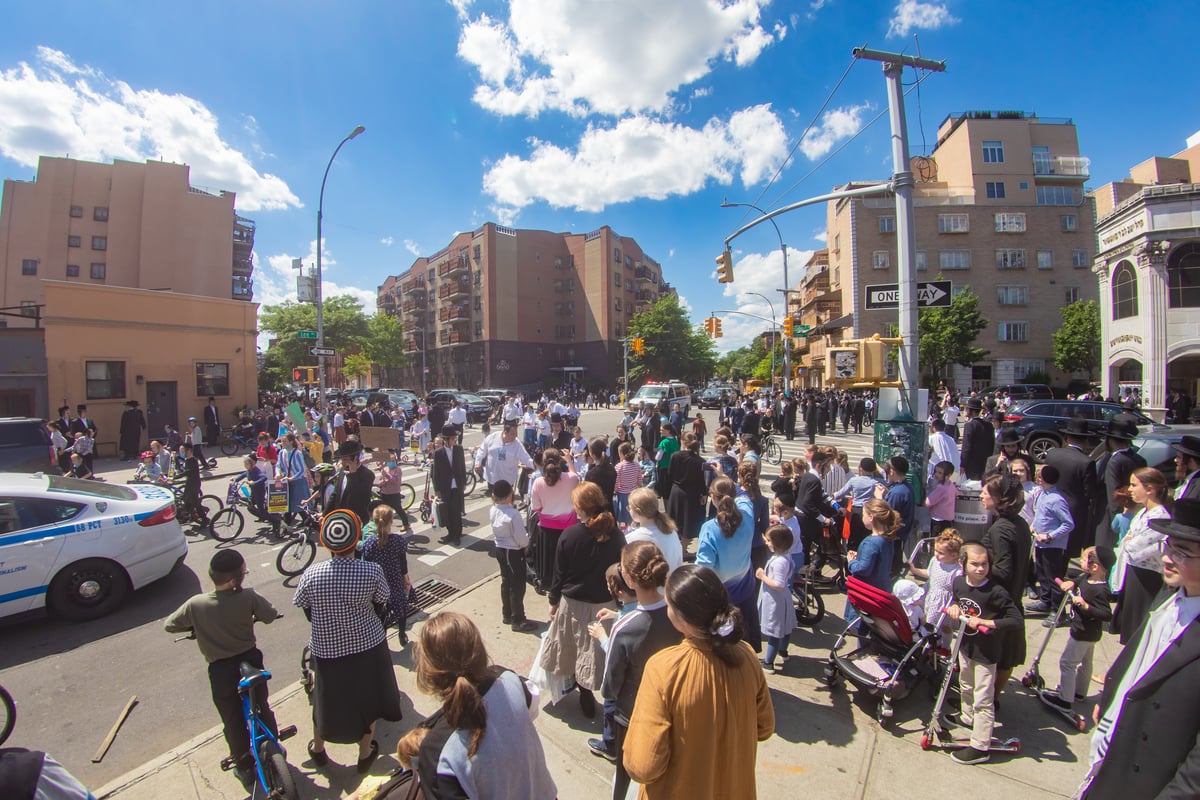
(936, 735)
(1033, 678)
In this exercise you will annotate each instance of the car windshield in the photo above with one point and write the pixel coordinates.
(651, 391)
(108, 491)
(471, 398)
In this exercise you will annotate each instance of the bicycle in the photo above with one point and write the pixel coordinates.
(301, 548)
(232, 442)
(228, 523)
(211, 504)
(810, 607)
(8, 708)
(771, 450)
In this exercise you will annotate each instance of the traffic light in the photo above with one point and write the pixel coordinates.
(717, 333)
(841, 363)
(639, 347)
(297, 375)
(725, 267)
(859, 360)
(712, 326)
(873, 359)
(789, 326)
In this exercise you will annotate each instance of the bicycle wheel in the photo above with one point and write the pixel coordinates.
(211, 504)
(774, 453)
(280, 783)
(408, 496)
(8, 710)
(426, 511)
(230, 446)
(227, 524)
(295, 556)
(307, 677)
(810, 608)
(471, 480)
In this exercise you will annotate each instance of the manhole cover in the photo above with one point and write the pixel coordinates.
(432, 591)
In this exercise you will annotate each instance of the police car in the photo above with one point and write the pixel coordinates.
(79, 547)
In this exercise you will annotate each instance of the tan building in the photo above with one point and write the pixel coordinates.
(94, 230)
(1148, 265)
(501, 307)
(814, 304)
(999, 208)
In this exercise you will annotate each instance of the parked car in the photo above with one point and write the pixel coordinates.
(1042, 423)
(712, 398)
(655, 393)
(402, 398)
(1158, 448)
(79, 547)
(24, 445)
(1022, 391)
(494, 396)
(478, 409)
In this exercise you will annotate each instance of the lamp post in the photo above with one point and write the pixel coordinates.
(774, 328)
(787, 345)
(321, 402)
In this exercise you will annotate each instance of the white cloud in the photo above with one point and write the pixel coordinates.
(640, 157)
(671, 253)
(761, 273)
(821, 236)
(780, 31)
(54, 107)
(387, 241)
(815, 6)
(461, 7)
(701, 91)
(276, 282)
(623, 56)
(913, 15)
(834, 126)
(412, 247)
(1194, 139)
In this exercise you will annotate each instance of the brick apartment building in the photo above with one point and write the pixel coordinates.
(999, 208)
(102, 250)
(505, 307)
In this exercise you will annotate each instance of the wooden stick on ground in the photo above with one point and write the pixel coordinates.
(112, 733)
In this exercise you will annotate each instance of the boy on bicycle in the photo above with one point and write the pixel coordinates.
(223, 623)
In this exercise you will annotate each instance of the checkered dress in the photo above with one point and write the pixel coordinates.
(339, 594)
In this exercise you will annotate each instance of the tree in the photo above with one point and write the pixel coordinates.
(345, 328)
(356, 365)
(384, 345)
(1077, 341)
(674, 347)
(947, 334)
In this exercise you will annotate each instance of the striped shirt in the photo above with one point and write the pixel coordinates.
(629, 476)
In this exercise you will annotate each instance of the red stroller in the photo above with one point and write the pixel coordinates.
(889, 659)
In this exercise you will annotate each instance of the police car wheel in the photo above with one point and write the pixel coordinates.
(88, 589)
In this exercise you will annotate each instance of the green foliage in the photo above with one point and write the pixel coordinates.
(674, 347)
(947, 335)
(1077, 341)
(384, 344)
(274, 375)
(356, 365)
(345, 329)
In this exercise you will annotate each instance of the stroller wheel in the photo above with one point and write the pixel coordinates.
(883, 713)
(1080, 723)
(1027, 680)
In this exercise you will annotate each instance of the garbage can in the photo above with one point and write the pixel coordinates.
(970, 517)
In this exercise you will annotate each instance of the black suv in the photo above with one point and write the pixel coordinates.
(478, 409)
(1043, 423)
(1022, 391)
(24, 445)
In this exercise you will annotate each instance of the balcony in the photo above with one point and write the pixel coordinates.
(567, 286)
(1071, 168)
(414, 286)
(457, 314)
(454, 338)
(454, 266)
(452, 289)
(644, 296)
(564, 309)
(564, 262)
(411, 346)
(243, 266)
(243, 288)
(643, 274)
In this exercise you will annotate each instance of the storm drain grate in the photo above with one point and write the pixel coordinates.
(432, 591)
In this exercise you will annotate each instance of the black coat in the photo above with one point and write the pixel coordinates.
(1008, 542)
(978, 443)
(354, 493)
(1112, 473)
(443, 470)
(1077, 482)
(685, 502)
(1154, 750)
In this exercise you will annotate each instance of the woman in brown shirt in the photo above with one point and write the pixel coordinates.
(708, 691)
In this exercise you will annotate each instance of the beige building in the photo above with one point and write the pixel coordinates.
(95, 230)
(814, 304)
(999, 208)
(1148, 265)
(502, 307)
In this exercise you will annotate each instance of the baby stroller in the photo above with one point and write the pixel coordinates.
(890, 659)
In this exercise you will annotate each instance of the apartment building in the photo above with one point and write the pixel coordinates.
(999, 208)
(1148, 266)
(510, 307)
(814, 304)
(102, 248)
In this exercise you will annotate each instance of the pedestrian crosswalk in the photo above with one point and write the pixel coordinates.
(855, 445)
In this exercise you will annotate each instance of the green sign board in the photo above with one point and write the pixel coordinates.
(802, 330)
(306, 334)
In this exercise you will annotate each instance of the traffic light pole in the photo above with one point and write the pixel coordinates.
(625, 361)
(787, 345)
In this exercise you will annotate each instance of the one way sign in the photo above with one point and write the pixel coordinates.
(930, 294)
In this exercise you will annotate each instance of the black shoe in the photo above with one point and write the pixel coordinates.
(247, 777)
(1053, 699)
(1037, 608)
(969, 755)
(587, 703)
(319, 757)
(364, 764)
(524, 626)
(506, 620)
(955, 718)
(599, 748)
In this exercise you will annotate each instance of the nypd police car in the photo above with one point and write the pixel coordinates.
(79, 547)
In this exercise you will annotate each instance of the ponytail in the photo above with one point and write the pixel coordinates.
(699, 597)
(729, 516)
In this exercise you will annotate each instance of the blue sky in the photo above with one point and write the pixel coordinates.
(563, 114)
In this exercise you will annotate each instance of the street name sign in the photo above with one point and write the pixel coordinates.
(306, 334)
(930, 294)
(327, 352)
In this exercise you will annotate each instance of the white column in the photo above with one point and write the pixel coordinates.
(1101, 269)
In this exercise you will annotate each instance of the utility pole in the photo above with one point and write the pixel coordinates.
(902, 184)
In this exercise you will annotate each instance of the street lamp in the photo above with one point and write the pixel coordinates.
(321, 402)
(787, 345)
(774, 326)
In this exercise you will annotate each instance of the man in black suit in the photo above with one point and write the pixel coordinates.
(352, 483)
(273, 422)
(82, 423)
(1147, 730)
(1112, 473)
(212, 423)
(1008, 447)
(1076, 481)
(449, 476)
(978, 441)
(1187, 468)
(858, 410)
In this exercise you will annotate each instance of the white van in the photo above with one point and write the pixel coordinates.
(655, 393)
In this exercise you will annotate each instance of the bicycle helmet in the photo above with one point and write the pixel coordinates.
(147, 454)
(323, 469)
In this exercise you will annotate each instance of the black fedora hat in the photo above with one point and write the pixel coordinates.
(1122, 427)
(348, 449)
(1009, 435)
(974, 403)
(1185, 524)
(1077, 426)
(1189, 446)
(448, 431)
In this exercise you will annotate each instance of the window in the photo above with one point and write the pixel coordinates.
(629, 286)
(617, 279)
(98, 273)
(477, 252)
(993, 152)
(212, 379)
(617, 304)
(106, 380)
(628, 262)
(1010, 259)
(880, 260)
(1070, 295)
(1057, 196)
(995, 190)
(1183, 276)
(953, 223)
(99, 242)
(1014, 331)
(1080, 258)
(1023, 367)
(1010, 223)
(100, 213)
(837, 243)
(478, 329)
(887, 224)
(617, 255)
(954, 259)
(478, 303)
(1041, 160)
(1012, 295)
(72, 270)
(1045, 259)
(73, 241)
(1124, 291)
(77, 212)
(1070, 223)
(920, 259)
(479, 277)
(29, 266)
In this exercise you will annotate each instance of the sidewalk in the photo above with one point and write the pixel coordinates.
(824, 741)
